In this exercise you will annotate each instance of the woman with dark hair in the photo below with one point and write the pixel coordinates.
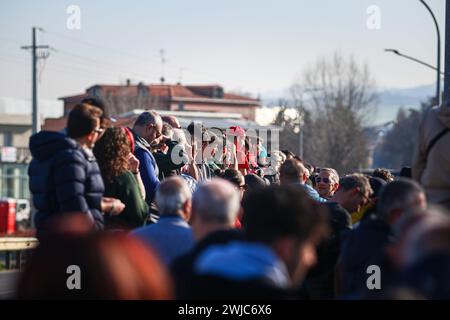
(120, 172)
(110, 266)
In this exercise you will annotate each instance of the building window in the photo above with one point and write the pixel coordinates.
(218, 93)
(7, 139)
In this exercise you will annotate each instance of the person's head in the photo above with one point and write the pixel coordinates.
(327, 182)
(174, 197)
(112, 152)
(83, 124)
(288, 154)
(215, 206)
(377, 185)
(310, 168)
(236, 178)
(399, 197)
(107, 266)
(149, 126)
(105, 120)
(172, 121)
(293, 171)
(276, 159)
(406, 172)
(287, 220)
(428, 238)
(254, 182)
(354, 192)
(406, 225)
(384, 174)
(167, 131)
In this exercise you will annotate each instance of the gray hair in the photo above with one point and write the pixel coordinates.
(333, 174)
(171, 195)
(399, 194)
(147, 117)
(216, 201)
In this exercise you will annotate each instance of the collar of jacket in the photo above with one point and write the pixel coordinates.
(141, 142)
(88, 153)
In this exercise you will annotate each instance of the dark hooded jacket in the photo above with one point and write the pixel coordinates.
(64, 178)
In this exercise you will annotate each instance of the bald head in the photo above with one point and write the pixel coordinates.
(148, 117)
(293, 171)
(216, 201)
(173, 121)
(174, 197)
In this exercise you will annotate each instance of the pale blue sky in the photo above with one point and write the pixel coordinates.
(249, 45)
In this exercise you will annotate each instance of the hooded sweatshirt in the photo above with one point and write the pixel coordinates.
(433, 171)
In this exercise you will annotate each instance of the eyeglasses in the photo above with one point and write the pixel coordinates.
(324, 180)
(366, 198)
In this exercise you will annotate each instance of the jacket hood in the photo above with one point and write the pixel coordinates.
(240, 261)
(45, 144)
(444, 116)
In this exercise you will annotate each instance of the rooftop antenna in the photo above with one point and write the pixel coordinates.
(180, 75)
(163, 61)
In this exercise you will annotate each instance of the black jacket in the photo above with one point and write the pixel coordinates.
(63, 178)
(361, 248)
(320, 281)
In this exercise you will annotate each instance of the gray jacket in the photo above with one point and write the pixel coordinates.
(432, 171)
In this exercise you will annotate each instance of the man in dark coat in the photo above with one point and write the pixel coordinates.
(365, 246)
(282, 227)
(215, 206)
(64, 175)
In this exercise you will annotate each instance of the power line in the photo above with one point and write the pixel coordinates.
(156, 59)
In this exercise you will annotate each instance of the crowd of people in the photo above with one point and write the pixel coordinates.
(157, 211)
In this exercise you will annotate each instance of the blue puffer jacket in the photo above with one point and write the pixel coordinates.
(63, 178)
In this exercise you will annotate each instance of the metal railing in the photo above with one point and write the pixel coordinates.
(17, 250)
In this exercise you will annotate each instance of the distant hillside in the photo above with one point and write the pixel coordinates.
(390, 100)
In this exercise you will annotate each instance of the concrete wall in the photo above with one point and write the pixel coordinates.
(20, 135)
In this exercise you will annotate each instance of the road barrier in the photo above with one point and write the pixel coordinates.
(17, 249)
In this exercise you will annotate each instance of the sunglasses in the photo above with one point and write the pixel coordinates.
(324, 180)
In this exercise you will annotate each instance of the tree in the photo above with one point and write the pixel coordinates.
(340, 100)
(397, 146)
(289, 137)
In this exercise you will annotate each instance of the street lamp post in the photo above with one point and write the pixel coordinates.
(438, 84)
(447, 55)
(398, 53)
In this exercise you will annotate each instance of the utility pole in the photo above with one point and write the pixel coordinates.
(447, 56)
(34, 59)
